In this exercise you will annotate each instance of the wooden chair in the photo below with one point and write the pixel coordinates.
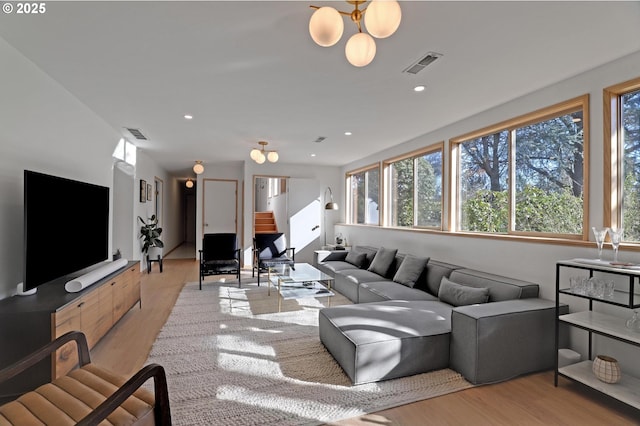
(87, 395)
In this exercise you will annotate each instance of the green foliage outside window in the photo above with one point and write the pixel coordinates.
(547, 166)
(630, 121)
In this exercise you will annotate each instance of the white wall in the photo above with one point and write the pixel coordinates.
(46, 129)
(525, 260)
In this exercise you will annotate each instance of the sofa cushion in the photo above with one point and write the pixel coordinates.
(410, 270)
(355, 258)
(435, 270)
(334, 266)
(500, 287)
(461, 295)
(380, 341)
(383, 261)
(379, 291)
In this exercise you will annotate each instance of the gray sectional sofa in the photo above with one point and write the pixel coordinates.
(428, 315)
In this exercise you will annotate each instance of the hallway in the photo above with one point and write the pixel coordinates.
(183, 251)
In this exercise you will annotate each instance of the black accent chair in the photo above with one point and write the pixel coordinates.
(270, 250)
(220, 254)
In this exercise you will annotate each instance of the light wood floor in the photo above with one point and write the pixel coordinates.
(530, 400)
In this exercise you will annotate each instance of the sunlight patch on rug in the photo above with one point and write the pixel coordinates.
(235, 356)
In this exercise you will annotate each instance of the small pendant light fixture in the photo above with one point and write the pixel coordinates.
(260, 155)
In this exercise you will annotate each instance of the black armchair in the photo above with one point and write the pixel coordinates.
(220, 254)
(269, 250)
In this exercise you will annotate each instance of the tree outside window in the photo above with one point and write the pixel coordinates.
(526, 175)
(415, 189)
(630, 132)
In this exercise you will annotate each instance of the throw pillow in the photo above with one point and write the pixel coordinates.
(356, 258)
(410, 270)
(382, 261)
(460, 295)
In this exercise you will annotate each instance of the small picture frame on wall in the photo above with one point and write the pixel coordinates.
(149, 192)
(143, 191)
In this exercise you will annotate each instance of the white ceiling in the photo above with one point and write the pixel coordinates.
(249, 71)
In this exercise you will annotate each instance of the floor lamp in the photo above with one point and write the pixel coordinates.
(329, 206)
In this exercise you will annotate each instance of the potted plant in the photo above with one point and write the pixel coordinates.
(150, 234)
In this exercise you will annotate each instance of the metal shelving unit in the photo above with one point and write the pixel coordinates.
(628, 389)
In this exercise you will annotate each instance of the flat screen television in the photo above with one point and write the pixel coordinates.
(66, 227)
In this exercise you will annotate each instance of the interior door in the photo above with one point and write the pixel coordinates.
(220, 206)
(304, 217)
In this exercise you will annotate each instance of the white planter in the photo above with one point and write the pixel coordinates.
(154, 253)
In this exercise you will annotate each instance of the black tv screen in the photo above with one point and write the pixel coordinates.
(66, 227)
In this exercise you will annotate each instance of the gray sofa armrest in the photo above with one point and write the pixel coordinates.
(497, 341)
(336, 255)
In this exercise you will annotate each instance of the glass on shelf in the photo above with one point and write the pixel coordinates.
(633, 323)
(616, 238)
(600, 234)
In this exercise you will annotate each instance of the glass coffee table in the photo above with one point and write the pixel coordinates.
(302, 277)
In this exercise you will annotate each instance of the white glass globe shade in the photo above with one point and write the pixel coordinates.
(360, 49)
(326, 26)
(255, 152)
(261, 158)
(198, 168)
(273, 156)
(382, 18)
(189, 184)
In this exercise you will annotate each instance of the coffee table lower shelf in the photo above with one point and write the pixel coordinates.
(627, 390)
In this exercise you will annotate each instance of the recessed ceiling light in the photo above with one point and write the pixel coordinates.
(313, 155)
(188, 116)
(418, 89)
(348, 133)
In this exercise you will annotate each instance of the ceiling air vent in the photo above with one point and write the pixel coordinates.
(137, 134)
(421, 63)
(320, 139)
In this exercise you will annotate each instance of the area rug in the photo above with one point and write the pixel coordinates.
(230, 360)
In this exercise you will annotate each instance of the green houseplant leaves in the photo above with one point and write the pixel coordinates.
(150, 233)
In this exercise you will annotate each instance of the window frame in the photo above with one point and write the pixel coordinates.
(349, 202)
(386, 181)
(511, 126)
(613, 150)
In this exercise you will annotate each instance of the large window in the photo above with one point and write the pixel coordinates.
(414, 189)
(363, 195)
(524, 176)
(622, 158)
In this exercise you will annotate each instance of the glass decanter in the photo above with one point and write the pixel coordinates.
(634, 322)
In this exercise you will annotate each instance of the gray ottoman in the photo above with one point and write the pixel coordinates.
(386, 340)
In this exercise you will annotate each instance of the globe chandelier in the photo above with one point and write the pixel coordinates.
(260, 155)
(381, 19)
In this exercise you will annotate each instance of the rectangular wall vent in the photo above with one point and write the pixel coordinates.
(137, 134)
(421, 63)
